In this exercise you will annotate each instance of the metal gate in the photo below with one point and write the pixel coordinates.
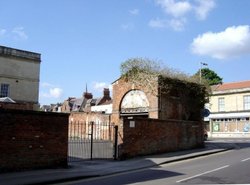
(92, 140)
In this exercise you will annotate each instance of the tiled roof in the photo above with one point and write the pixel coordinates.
(232, 85)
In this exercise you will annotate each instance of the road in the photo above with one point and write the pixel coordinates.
(231, 167)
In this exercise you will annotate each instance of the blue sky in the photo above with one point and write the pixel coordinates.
(85, 41)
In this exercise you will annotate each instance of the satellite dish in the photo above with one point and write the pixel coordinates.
(205, 112)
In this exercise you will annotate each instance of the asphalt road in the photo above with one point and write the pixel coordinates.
(81, 149)
(231, 167)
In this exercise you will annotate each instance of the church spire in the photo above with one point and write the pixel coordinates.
(86, 94)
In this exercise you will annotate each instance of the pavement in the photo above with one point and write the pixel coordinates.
(97, 168)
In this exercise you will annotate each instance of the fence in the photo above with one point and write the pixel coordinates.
(92, 140)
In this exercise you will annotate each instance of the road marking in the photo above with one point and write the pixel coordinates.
(217, 169)
(245, 159)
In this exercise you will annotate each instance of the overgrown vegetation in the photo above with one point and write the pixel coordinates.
(149, 68)
(149, 74)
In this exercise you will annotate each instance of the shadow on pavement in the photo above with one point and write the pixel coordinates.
(132, 178)
(234, 143)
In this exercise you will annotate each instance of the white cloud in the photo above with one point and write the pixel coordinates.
(177, 24)
(45, 84)
(128, 26)
(55, 92)
(203, 8)
(176, 9)
(99, 86)
(134, 12)
(2, 32)
(179, 11)
(158, 23)
(19, 33)
(50, 91)
(232, 42)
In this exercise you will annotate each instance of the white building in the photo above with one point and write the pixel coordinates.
(19, 75)
(230, 110)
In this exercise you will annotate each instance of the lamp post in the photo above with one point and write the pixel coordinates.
(202, 64)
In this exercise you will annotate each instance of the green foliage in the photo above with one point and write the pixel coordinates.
(209, 76)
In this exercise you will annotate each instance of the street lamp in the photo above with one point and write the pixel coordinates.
(202, 64)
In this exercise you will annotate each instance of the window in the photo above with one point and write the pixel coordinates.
(4, 91)
(246, 101)
(221, 104)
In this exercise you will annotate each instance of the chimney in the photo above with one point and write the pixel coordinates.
(106, 93)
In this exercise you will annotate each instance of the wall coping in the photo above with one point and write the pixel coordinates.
(7, 51)
(163, 120)
(19, 111)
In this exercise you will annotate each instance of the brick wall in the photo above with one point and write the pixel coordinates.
(80, 125)
(18, 106)
(31, 140)
(153, 136)
(175, 100)
(88, 117)
(121, 88)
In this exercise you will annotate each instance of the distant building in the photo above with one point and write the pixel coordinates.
(230, 110)
(87, 108)
(19, 76)
(67, 105)
(105, 108)
(87, 103)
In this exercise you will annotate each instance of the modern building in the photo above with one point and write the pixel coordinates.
(230, 110)
(19, 75)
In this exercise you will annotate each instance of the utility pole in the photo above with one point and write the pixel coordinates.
(201, 65)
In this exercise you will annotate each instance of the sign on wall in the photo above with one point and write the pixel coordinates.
(216, 127)
(246, 127)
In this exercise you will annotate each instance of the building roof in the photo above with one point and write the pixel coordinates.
(12, 52)
(7, 100)
(231, 86)
(77, 103)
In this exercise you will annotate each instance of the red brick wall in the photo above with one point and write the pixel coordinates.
(80, 124)
(88, 117)
(31, 140)
(175, 100)
(153, 136)
(18, 106)
(121, 88)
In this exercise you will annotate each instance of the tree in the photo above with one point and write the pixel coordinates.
(209, 76)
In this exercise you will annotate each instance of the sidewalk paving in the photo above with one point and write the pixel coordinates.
(96, 168)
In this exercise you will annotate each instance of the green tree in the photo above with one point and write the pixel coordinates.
(209, 76)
